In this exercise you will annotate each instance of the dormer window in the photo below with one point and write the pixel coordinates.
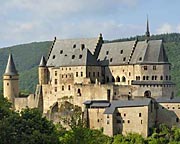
(73, 56)
(74, 46)
(111, 59)
(80, 56)
(121, 52)
(61, 51)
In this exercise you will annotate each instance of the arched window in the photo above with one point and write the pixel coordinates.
(113, 80)
(147, 94)
(144, 77)
(123, 79)
(79, 92)
(117, 79)
(161, 78)
(152, 77)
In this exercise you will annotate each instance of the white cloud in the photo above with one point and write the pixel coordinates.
(165, 28)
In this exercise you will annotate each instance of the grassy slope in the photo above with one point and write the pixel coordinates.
(27, 57)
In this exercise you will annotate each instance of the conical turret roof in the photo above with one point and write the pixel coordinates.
(10, 68)
(42, 62)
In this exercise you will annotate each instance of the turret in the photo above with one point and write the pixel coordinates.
(11, 81)
(43, 71)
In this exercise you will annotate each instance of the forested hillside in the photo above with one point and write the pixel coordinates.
(27, 57)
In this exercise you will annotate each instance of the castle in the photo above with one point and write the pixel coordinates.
(121, 87)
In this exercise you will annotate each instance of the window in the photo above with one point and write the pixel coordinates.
(139, 114)
(107, 52)
(98, 74)
(154, 67)
(145, 67)
(161, 78)
(62, 76)
(121, 52)
(65, 55)
(94, 74)
(128, 121)
(55, 73)
(80, 56)
(140, 58)
(55, 81)
(82, 46)
(55, 89)
(107, 116)
(98, 120)
(76, 74)
(166, 77)
(147, 77)
(111, 59)
(123, 79)
(155, 77)
(107, 121)
(124, 58)
(74, 46)
(69, 87)
(73, 56)
(61, 51)
(7, 84)
(54, 56)
(129, 73)
(124, 114)
(117, 79)
(81, 74)
(152, 77)
(79, 92)
(62, 88)
(137, 77)
(141, 122)
(177, 120)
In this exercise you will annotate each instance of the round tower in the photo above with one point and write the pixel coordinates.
(11, 81)
(43, 72)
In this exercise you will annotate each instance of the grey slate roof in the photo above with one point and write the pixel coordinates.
(42, 62)
(143, 53)
(126, 103)
(10, 67)
(69, 52)
(97, 103)
(152, 83)
(168, 100)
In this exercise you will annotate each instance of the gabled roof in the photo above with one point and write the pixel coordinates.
(133, 52)
(73, 52)
(42, 62)
(10, 68)
(126, 103)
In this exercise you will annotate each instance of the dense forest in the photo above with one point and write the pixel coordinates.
(30, 127)
(27, 57)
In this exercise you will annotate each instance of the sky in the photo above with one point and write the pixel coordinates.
(25, 21)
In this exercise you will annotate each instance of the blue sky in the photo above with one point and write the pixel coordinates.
(24, 21)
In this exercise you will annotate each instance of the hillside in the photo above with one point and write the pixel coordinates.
(27, 57)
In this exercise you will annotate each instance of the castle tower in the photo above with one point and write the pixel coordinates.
(11, 81)
(43, 72)
(147, 29)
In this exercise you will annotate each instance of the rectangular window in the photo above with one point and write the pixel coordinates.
(139, 114)
(98, 74)
(76, 74)
(55, 73)
(55, 89)
(81, 74)
(62, 88)
(107, 121)
(69, 87)
(145, 67)
(154, 67)
(55, 81)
